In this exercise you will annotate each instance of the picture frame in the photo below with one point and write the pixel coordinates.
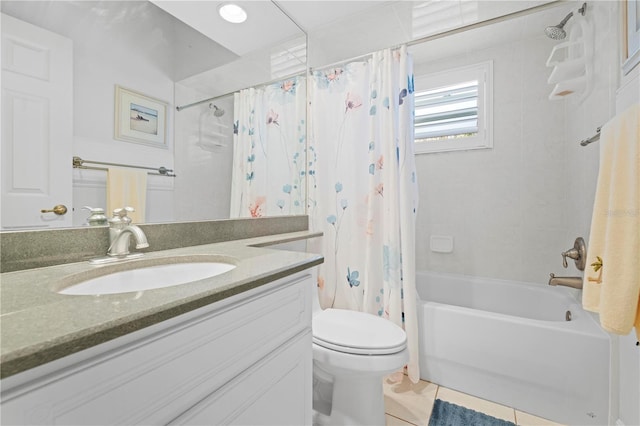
(140, 118)
(631, 18)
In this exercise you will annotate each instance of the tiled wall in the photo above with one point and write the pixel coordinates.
(513, 209)
(203, 160)
(583, 118)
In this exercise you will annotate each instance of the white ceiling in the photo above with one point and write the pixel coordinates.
(438, 15)
(311, 15)
(265, 26)
(239, 55)
(386, 24)
(175, 48)
(336, 30)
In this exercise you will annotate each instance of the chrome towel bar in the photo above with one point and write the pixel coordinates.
(78, 163)
(592, 139)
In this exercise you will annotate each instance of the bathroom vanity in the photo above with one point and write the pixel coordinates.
(230, 349)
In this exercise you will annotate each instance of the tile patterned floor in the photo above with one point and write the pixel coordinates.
(409, 404)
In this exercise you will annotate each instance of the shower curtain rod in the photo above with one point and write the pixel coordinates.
(489, 21)
(276, 80)
(462, 29)
(180, 108)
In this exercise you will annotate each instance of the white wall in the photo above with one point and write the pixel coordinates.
(513, 209)
(204, 160)
(609, 96)
(584, 117)
(506, 207)
(101, 62)
(628, 354)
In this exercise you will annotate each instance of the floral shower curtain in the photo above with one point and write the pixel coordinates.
(363, 191)
(268, 150)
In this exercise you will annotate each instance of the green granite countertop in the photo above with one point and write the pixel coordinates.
(38, 325)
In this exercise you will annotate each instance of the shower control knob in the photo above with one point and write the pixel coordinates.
(573, 254)
(578, 253)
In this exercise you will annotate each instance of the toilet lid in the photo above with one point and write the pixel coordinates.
(357, 333)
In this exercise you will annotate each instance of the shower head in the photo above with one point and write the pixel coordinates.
(557, 32)
(217, 112)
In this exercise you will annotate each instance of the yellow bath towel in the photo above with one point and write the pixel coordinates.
(127, 188)
(612, 276)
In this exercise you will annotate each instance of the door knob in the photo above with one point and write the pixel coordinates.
(60, 209)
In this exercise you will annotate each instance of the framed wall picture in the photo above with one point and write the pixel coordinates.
(140, 118)
(632, 35)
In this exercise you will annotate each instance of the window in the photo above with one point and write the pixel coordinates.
(453, 109)
(289, 58)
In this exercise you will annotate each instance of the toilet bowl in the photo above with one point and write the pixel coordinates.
(352, 352)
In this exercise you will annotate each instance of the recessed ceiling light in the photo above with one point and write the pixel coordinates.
(232, 13)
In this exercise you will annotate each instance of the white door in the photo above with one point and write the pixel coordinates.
(37, 126)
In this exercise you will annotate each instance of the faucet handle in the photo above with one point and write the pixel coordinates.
(578, 253)
(572, 253)
(122, 212)
(120, 216)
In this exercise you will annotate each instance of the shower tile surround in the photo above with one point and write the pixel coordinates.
(36, 249)
(514, 208)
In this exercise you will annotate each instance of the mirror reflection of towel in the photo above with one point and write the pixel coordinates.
(127, 188)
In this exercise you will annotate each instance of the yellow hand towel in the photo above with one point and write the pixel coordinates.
(127, 188)
(612, 277)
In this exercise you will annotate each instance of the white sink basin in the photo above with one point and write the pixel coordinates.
(143, 277)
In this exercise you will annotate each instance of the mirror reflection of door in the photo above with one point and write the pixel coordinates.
(37, 105)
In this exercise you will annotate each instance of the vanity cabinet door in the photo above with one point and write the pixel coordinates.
(274, 391)
(225, 348)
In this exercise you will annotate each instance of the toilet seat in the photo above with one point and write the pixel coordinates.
(357, 333)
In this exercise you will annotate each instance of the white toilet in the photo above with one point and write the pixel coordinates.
(352, 352)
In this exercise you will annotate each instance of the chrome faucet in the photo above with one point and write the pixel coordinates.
(120, 232)
(574, 282)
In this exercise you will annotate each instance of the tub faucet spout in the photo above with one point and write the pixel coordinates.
(574, 282)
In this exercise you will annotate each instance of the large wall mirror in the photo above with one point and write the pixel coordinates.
(178, 54)
(77, 76)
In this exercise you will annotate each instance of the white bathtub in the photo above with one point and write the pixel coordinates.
(509, 342)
